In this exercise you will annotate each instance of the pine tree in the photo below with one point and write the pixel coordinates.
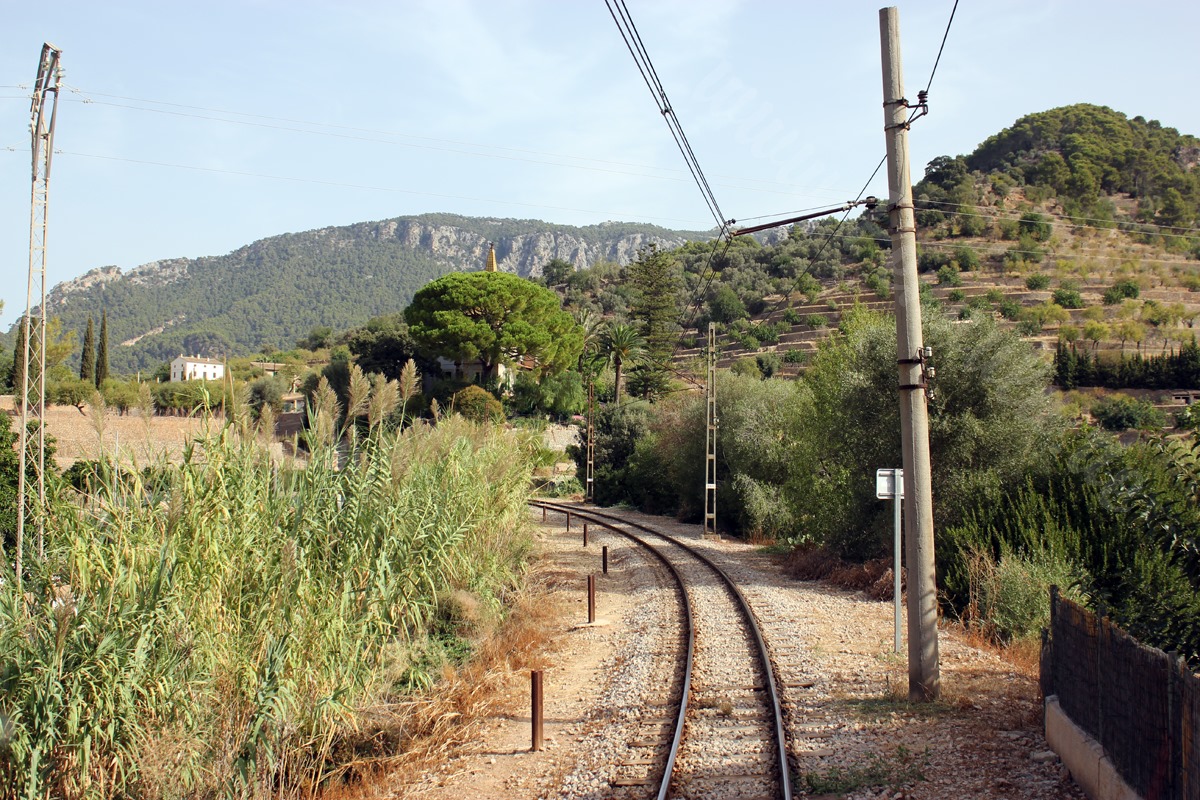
(654, 278)
(102, 351)
(18, 370)
(87, 360)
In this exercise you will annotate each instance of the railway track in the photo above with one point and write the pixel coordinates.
(727, 739)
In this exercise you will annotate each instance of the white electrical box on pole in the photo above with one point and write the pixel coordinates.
(923, 668)
(31, 394)
(710, 450)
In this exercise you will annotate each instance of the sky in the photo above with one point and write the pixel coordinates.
(191, 129)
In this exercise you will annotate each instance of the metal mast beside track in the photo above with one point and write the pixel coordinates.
(32, 391)
(710, 457)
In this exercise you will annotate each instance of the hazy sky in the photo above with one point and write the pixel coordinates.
(192, 129)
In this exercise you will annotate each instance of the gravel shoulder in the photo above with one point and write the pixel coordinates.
(853, 733)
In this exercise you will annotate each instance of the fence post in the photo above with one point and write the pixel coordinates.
(1174, 728)
(1046, 668)
(535, 693)
(1101, 643)
(1054, 595)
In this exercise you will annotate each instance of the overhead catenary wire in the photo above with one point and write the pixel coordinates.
(633, 42)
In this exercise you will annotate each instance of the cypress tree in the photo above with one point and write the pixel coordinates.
(87, 360)
(102, 351)
(18, 369)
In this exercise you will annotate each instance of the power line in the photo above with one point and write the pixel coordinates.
(633, 42)
(938, 60)
(1066, 219)
(331, 130)
(796, 284)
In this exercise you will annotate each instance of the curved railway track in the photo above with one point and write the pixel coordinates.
(728, 739)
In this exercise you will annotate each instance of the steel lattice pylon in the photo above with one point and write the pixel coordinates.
(31, 397)
(710, 456)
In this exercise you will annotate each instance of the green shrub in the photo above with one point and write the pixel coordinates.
(948, 276)
(477, 404)
(815, 321)
(791, 316)
(1037, 282)
(1068, 298)
(794, 356)
(768, 363)
(1121, 290)
(1010, 597)
(956, 296)
(746, 367)
(1010, 309)
(1121, 412)
(1035, 226)
(967, 258)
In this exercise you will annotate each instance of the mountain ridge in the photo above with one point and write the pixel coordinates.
(269, 293)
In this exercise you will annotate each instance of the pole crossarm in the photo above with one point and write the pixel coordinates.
(869, 202)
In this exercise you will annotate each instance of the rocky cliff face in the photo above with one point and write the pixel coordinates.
(521, 248)
(524, 253)
(271, 292)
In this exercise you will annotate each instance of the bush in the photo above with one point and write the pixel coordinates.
(1121, 290)
(1035, 226)
(794, 357)
(478, 405)
(791, 316)
(746, 367)
(956, 296)
(1010, 596)
(1010, 309)
(815, 321)
(967, 258)
(1037, 282)
(768, 363)
(948, 276)
(1189, 417)
(1121, 412)
(1068, 298)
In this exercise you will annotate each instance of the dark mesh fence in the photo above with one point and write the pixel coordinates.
(1189, 724)
(1140, 703)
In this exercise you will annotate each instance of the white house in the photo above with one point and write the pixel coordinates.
(193, 368)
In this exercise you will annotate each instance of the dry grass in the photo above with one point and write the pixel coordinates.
(819, 564)
(136, 438)
(426, 730)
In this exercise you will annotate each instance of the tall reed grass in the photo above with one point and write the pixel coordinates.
(237, 628)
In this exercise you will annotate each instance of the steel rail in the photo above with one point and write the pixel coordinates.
(689, 633)
(599, 517)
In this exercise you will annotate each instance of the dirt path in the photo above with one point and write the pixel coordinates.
(852, 735)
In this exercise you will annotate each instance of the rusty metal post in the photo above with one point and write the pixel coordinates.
(604, 558)
(585, 534)
(543, 513)
(535, 693)
(568, 520)
(591, 599)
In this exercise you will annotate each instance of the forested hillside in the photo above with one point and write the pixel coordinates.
(270, 293)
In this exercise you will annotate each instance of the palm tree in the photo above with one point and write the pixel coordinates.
(624, 345)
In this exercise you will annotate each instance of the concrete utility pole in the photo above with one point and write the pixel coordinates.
(31, 394)
(923, 678)
(710, 437)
